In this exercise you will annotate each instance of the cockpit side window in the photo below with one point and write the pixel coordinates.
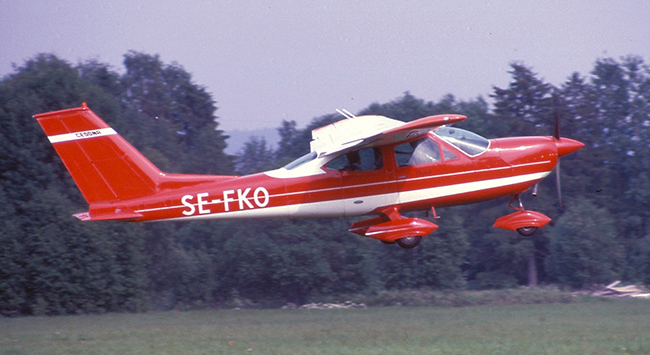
(448, 155)
(366, 159)
(421, 151)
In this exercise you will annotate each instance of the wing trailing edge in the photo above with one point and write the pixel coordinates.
(369, 131)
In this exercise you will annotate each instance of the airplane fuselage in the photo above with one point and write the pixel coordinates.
(367, 165)
(313, 190)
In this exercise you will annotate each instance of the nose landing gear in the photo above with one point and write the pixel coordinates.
(524, 222)
(527, 231)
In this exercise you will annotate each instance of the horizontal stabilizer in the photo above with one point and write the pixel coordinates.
(121, 216)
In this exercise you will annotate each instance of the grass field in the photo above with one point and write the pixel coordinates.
(593, 327)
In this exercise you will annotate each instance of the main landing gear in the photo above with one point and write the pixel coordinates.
(406, 242)
(390, 227)
(524, 222)
(409, 242)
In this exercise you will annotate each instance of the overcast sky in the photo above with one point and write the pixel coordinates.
(265, 62)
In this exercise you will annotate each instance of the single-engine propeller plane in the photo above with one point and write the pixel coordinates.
(365, 165)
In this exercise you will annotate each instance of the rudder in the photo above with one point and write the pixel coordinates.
(105, 167)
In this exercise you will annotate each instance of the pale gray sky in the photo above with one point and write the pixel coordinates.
(268, 61)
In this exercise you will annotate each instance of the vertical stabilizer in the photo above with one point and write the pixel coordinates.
(104, 166)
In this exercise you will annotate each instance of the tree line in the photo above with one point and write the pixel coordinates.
(51, 263)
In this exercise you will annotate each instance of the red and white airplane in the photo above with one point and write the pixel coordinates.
(366, 165)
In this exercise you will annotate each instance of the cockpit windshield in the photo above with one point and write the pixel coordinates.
(469, 142)
(302, 160)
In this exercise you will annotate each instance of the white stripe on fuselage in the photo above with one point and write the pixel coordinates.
(93, 133)
(334, 208)
(474, 186)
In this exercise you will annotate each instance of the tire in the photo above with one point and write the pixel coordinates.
(409, 242)
(526, 231)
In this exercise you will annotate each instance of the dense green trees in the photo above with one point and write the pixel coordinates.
(51, 263)
(584, 248)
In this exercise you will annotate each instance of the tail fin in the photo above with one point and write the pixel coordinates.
(104, 165)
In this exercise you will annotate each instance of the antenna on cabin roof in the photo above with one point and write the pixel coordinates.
(345, 113)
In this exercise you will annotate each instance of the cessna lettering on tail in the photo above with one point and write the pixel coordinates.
(244, 198)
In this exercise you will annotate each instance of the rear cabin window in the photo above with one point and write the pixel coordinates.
(367, 159)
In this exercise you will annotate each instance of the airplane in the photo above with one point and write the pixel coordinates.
(360, 166)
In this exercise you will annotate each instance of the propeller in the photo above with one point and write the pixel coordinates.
(556, 135)
(564, 146)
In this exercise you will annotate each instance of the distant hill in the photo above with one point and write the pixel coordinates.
(239, 137)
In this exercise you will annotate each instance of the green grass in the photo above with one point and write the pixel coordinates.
(592, 327)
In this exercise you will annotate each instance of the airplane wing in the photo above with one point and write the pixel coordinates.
(370, 131)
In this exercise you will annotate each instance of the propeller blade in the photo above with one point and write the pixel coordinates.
(556, 128)
(556, 115)
(556, 135)
(558, 184)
